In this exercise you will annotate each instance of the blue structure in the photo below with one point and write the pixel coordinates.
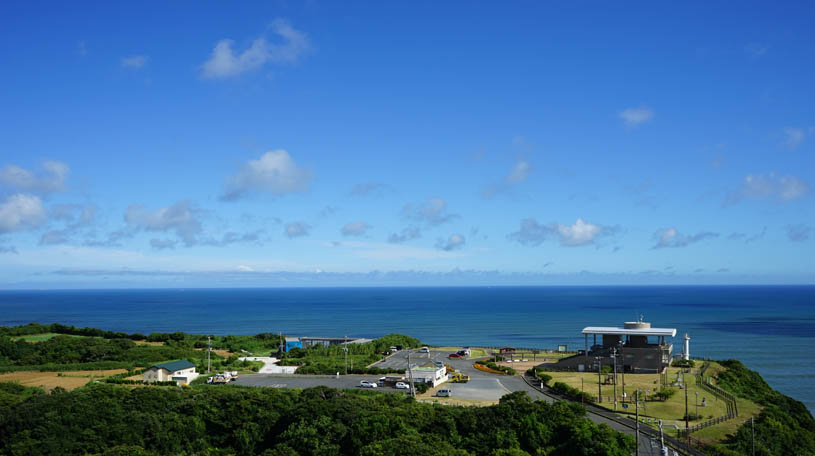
(293, 342)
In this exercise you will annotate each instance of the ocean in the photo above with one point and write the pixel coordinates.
(771, 329)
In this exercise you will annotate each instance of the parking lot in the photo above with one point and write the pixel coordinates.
(302, 381)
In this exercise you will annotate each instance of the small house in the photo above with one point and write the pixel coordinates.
(428, 373)
(182, 372)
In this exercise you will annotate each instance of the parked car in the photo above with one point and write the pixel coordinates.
(402, 386)
(381, 381)
(424, 350)
(367, 384)
(456, 355)
(394, 349)
(444, 393)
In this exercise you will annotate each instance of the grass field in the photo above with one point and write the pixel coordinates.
(40, 337)
(672, 411)
(50, 380)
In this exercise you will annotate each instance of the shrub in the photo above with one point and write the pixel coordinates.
(421, 388)
(684, 363)
(664, 394)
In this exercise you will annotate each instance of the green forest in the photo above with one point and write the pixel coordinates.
(115, 420)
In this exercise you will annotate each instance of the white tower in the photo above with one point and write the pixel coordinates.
(686, 353)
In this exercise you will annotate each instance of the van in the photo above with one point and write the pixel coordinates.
(444, 393)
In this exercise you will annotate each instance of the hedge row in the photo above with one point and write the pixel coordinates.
(571, 392)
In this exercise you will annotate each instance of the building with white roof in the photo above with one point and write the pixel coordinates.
(636, 346)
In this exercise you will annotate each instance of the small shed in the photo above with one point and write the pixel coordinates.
(293, 342)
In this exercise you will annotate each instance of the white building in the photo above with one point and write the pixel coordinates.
(182, 372)
(428, 373)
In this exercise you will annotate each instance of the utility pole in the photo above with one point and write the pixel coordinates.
(599, 368)
(209, 353)
(661, 438)
(622, 358)
(697, 405)
(637, 408)
(582, 391)
(345, 349)
(687, 428)
(614, 353)
(410, 376)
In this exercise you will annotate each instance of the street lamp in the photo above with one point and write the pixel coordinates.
(614, 354)
(697, 405)
(582, 390)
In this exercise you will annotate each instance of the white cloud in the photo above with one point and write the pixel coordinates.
(21, 212)
(634, 117)
(296, 229)
(455, 241)
(224, 63)
(134, 62)
(162, 244)
(355, 229)
(370, 188)
(407, 234)
(794, 136)
(670, 237)
(433, 212)
(394, 252)
(756, 50)
(51, 180)
(579, 234)
(769, 186)
(180, 218)
(274, 171)
(519, 173)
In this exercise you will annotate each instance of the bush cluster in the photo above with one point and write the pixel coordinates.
(496, 367)
(571, 392)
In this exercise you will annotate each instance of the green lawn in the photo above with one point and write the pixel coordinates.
(40, 337)
(672, 411)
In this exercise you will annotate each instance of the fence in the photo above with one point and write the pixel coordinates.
(730, 402)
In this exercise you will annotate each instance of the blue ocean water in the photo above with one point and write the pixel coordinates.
(769, 328)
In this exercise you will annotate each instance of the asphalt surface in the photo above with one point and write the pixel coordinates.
(482, 385)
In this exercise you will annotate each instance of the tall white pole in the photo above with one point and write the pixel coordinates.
(637, 408)
(209, 354)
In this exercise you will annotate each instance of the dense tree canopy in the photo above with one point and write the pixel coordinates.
(108, 419)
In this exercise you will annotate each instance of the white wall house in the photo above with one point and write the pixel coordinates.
(182, 372)
(427, 373)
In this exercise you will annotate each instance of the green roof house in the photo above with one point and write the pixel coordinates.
(182, 372)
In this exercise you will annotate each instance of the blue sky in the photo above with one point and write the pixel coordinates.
(319, 143)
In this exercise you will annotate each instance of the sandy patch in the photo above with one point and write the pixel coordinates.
(50, 380)
(522, 366)
(145, 342)
(220, 352)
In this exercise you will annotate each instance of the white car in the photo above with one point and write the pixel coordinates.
(402, 386)
(444, 393)
(367, 384)
(424, 350)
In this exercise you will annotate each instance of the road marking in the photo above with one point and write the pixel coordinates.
(502, 386)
